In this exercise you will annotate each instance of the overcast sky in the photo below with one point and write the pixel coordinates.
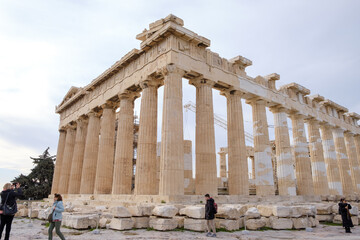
(48, 46)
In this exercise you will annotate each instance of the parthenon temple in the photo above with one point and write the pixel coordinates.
(103, 150)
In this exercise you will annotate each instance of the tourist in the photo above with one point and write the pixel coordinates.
(57, 210)
(345, 215)
(8, 200)
(210, 211)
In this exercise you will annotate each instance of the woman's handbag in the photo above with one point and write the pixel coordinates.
(9, 210)
(50, 217)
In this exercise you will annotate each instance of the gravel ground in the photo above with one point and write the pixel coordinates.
(22, 231)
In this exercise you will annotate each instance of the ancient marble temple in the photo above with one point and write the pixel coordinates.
(96, 143)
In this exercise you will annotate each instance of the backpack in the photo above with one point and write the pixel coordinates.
(215, 207)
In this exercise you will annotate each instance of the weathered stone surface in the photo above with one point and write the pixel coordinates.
(180, 221)
(103, 221)
(325, 218)
(281, 223)
(195, 224)
(337, 219)
(323, 209)
(241, 222)
(80, 221)
(141, 222)
(267, 222)
(193, 211)
(44, 213)
(254, 224)
(121, 223)
(313, 222)
(141, 210)
(265, 210)
(300, 223)
(227, 212)
(335, 209)
(228, 224)
(168, 211)
(120, 212)
(281, 211)
(355, 220)
(100, 208)
(354, 211)
(22, 212)
(252, 213)
(33, 213)
(163, 224)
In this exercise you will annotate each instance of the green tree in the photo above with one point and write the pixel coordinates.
(37, 184)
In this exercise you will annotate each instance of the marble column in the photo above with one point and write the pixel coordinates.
(124, 153)
(285, 160)
(302, 159)
(353, 161)
(78, 156)
(238, 176)
(357, 147)
(172, 136)
(88, 173)
(332, 167)
(189, 184)
(222, 154)
(67, 158)
(145, 177)
(264, 178)
(59, 160)
(343, 161)
(205, 154)
(105, 159)
(318, 166)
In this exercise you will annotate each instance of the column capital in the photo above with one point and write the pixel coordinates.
(71, 126)
(95, 113)
(278, 108)
(201, 81)
(255, 100)
(171, 69)
(110, 105)
(311, 120)
(129, 95)
(297, 115)
(150, 82)
(231, 92)
(348, 133)
(82, 119)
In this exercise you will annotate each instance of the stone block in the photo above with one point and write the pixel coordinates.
(227, 212)
(323, 209)
(198, 225)
(281, 223)
(355, 220)
(163, 224)
(120, 212)
(252, 213)
(193, 211)
(80, 221)
(267, 222)
(331, 198)
(180, 220)
(44, 213)
(265, 210)
(337, 219)
(313, 222)
(121, 223)
(33, 213)
(325, 218)
(168, 211)
(228, 224)
(141, 222)
(102, 222)
(304, 210)
(354, 210)
(335, 209)
(281, 211)
(100, 208)
(300, 223)
(254, 224)
(141, 210)
(23, 212)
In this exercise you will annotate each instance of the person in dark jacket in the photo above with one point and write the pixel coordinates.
(210, 215)
(9, 196)
(345, 215)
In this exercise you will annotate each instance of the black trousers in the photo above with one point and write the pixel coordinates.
(6, 220)
(347, 229)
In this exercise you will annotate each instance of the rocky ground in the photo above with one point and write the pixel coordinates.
(22, 231)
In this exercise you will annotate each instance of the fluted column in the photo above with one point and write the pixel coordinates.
(124, 153)
(318, 167)
(238, 177)
(78, 156)
(343, 161)
(105, 160)
(353, 161)
(68, 154)
(302, 160)
(222, 155)
(59, 160)
(357, 146)
(88, 173)
(206, 174)
(172, 136)
(145, 177)
(264, 178)
(285, 161)
(332, 167)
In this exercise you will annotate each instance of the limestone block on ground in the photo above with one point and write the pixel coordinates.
(168, 211)
(69, 207)
(281, 211)
(100, 208)
(355, 220)
(121, 223)
(141, 222)
(252, 213)
(300, 223)
(180, 221)
(323, 209)
(163, 224)
(33, 213)
(228, 224)
(337, 219)
(239, 207)
(331, 198)
(195, 224)
(120, 212)
(44, 213)
(303, 210)
(23, 212)
(103, 221)
(335, 208)
(354, 210)
(241, 222)
(325, 218)
(227, 212)
(281, 223)
(267, 222)
(265, 210)
(141, 210)
(254, 224)
(313, 222)
(80, 221)
(193, 211)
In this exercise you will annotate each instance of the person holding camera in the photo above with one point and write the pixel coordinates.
(56, 217)
(344, 208)
(8, 207)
